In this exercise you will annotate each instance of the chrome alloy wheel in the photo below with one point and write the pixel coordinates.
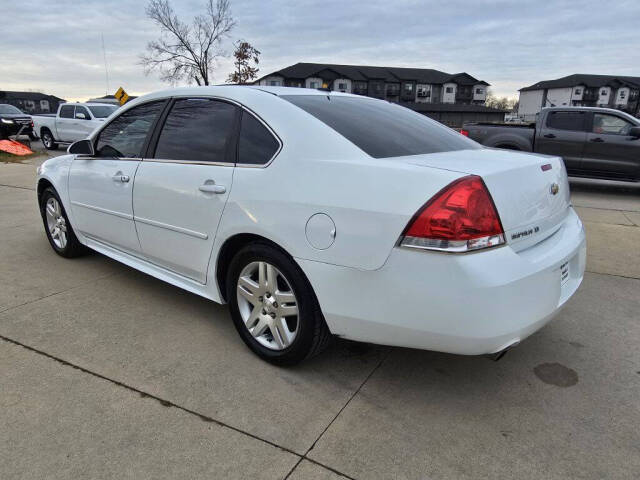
(267, 305)
(47, 139)
(56, 223)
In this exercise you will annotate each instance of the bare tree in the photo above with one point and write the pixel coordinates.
(187, 51)
(502, 103)
(244, 54)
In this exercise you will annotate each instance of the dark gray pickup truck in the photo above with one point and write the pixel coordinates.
(594, 142)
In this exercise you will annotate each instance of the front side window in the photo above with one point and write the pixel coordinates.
(566, 120)
(125, 135)
(197, 129)
(610, 124)
(66, 111)
(256, 145)
(382, 129)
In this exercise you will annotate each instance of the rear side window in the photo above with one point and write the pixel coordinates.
(197, 129)
(125, 135)
(566, 120)
(382, 129)
(256, 145)
(66, 111)
(81, 109)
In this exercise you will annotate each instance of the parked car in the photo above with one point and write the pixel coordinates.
(73, 121)
(594, 142)
(314, 213)
(12, 120)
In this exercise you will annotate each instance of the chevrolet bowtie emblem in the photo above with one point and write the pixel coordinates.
(555, 188)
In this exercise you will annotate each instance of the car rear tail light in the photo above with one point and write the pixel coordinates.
(464, 132)
(460, 218)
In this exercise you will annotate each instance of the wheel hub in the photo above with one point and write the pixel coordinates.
(267, 305)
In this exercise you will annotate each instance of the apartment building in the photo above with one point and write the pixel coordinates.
(612, 91)
(395, 84)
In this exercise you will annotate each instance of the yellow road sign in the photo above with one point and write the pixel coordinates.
(121, 96)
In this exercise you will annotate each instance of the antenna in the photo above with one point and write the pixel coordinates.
(106, 71)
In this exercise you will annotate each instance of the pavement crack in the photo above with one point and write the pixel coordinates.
(8, 309)
(16, 186)
(612, 275)
(169, 404)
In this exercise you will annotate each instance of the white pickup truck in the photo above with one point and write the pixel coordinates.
(73, 121)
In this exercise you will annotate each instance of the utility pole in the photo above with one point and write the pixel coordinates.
(106, 71)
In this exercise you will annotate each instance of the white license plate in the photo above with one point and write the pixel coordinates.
(564, 273)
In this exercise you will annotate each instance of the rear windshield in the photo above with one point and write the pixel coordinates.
(382, 129)
(102, 111)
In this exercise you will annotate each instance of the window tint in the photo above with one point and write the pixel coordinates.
(66, 111)
(610, 124)
(256, 144)
(566, 120)
(125, 135)
(81, 109)
(197, 129)
(382, 129)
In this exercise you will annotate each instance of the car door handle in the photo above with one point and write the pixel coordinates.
(549, 135)
(597, 140)
(212, 188)
(119, 177)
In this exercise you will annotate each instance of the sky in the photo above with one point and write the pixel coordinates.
(56, 46)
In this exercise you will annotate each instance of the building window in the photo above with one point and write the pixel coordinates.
(623, 95)
(408, 87)
(479, 91)
(449, 90)
(633, 94)
(393, 89)
(342, 86)
(274, 83)
(360, 88)
(423, 91)
(314, 84)
(578, 91)
(44, 105)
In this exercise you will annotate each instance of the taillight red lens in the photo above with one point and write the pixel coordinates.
(459, 218)
(464, 132)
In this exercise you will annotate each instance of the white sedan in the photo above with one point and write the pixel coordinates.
(314, 213)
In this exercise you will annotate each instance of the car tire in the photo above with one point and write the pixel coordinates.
(259, 276)
(48, 141)
(61, 236)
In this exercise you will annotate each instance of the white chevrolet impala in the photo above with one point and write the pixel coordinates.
(314, 213)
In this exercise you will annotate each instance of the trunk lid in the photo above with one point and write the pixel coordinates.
(530, 191)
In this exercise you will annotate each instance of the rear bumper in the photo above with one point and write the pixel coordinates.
(466, 304)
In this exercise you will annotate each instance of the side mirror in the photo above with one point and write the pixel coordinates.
(634, 132)
(81, 116)
(81, 147)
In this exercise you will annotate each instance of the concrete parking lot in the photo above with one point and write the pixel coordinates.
(108, 373)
